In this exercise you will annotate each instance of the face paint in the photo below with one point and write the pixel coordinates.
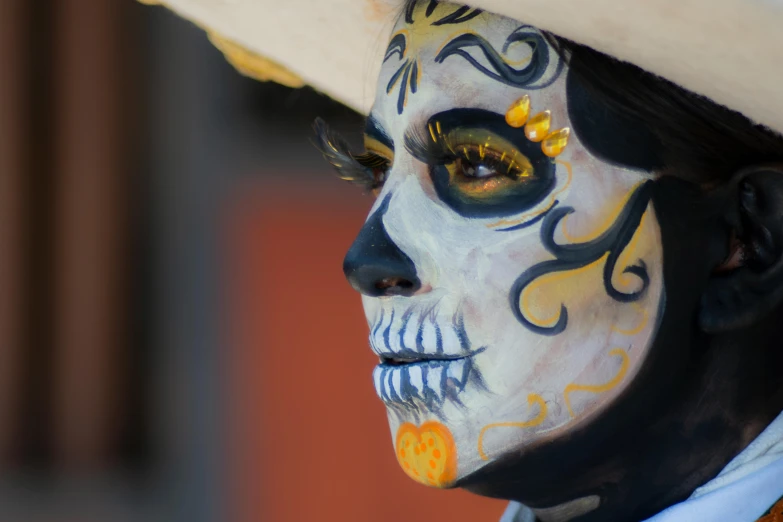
(537, 265)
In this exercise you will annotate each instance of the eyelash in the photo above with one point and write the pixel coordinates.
(435, 148)
(367, 170)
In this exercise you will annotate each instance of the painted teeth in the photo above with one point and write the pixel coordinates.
(455, 371)
(396, 333)
(396, 381)
(434, 376)
(416, 379)
(377, 374)
(408, 338)
(451, 343)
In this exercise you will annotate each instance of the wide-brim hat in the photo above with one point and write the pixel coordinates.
(730, 51)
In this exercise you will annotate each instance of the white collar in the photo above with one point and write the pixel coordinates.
(761, 463)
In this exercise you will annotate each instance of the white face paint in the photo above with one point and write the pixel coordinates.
(540, 280)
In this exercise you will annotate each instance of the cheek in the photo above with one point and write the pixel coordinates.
(611, 317)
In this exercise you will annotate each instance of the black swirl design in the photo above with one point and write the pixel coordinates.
(461, 15)
(574, 256)
(532, 76)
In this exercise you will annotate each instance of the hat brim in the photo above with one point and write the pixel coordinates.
(728, 50)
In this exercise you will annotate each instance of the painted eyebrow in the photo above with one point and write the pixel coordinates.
(374, 130)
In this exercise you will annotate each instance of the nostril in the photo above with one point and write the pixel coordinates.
(394, 286)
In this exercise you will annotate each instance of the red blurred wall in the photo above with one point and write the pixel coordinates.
(308, 438)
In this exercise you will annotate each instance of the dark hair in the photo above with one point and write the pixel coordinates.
(672, 129)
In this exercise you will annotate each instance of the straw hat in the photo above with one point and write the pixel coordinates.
(728, 50)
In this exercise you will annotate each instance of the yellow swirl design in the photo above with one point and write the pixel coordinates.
(617, 352)
(532, 400)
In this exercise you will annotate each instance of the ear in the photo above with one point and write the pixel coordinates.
(749, 284)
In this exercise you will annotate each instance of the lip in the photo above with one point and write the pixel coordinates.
(425, 357)
(427, 380)
(410, 357)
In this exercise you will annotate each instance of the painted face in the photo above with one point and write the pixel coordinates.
(512, 279)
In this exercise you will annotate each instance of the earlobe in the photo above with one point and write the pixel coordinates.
(749, 285)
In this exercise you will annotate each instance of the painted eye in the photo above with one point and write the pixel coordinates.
(478, 165)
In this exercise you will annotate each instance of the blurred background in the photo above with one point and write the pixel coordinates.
(177, 342)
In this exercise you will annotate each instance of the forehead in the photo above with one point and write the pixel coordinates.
(444, 55)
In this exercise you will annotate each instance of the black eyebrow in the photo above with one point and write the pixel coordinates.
(375, 130)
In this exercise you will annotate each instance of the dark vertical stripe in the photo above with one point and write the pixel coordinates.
(403, 89)
(420, 338)
(438, 339)
(36, 386)
(387, 332)
(415, 77)
(409, 11)
(395, 77)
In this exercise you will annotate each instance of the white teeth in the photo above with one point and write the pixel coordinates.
(376, 377)
(373, 346)
(394, 336)
(451, 344)
(379, 340)
(409, 336)
(395, 382)
(415, 377)
(456, 369)
(433, 380)
(429, 338)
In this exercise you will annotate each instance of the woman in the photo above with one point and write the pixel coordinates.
(573, 274)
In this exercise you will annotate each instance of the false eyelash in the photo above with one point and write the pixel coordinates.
(437, 148)
(418, 142)
(357, 169)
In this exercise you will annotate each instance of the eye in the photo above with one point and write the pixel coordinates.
(477, 171)
(380, 175)
(479, 165)
(378, 167)
(483, 166)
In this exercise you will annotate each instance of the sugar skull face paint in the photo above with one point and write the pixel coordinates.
(512, 278)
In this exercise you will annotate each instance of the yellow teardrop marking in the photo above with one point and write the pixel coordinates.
(537, 127)
(519, 112)
(556, 142)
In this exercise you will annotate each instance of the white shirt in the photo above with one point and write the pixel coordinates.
(746, 488)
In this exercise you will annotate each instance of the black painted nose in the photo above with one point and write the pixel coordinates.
(375, 265)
